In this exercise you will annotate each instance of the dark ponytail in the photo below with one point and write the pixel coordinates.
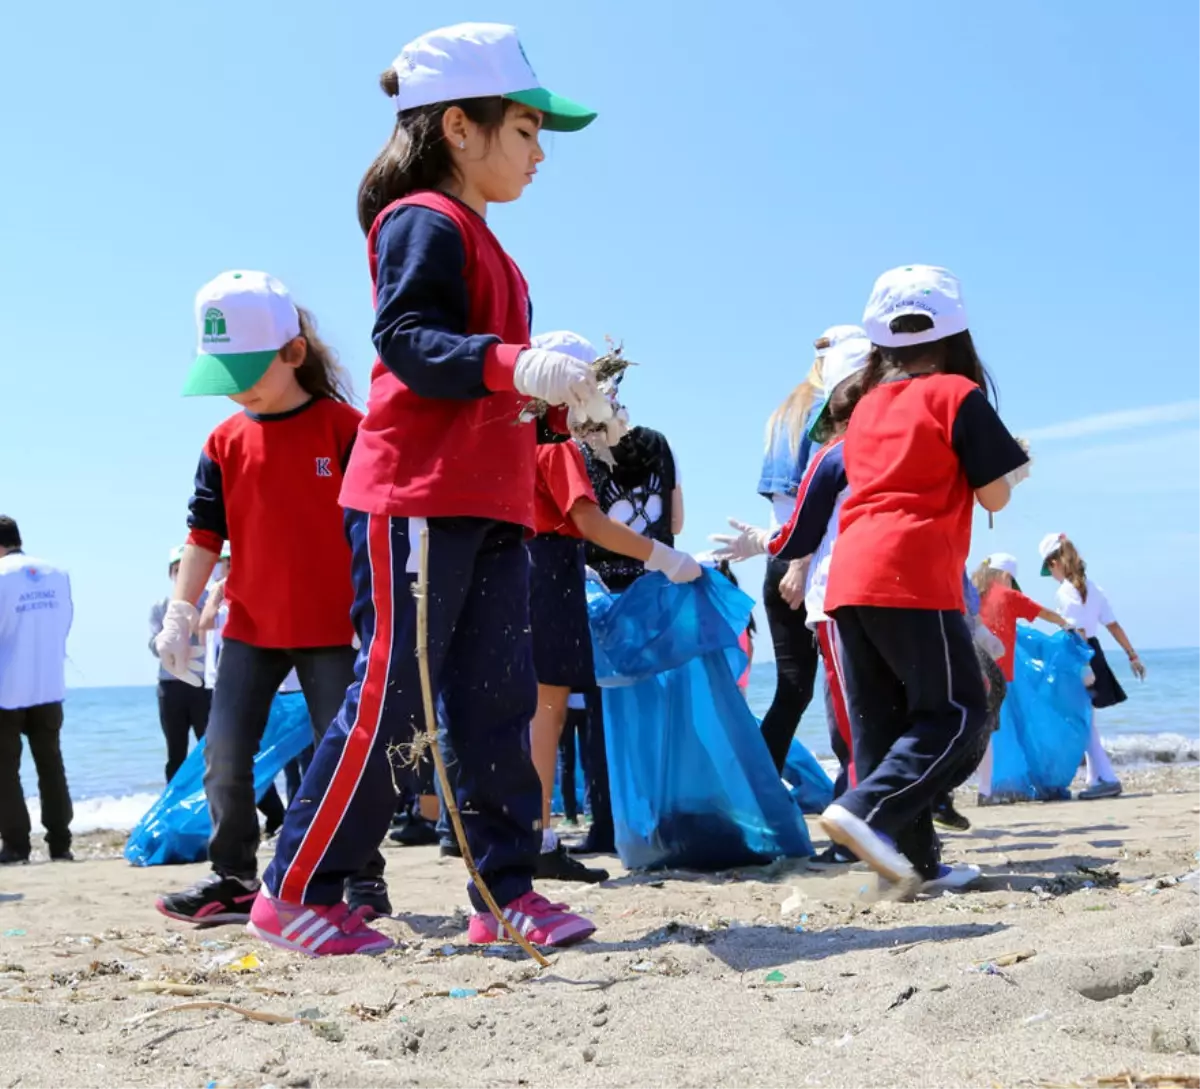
(954, 354)
(320, 374)
(416, 157)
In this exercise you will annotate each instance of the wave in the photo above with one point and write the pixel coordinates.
(1165, 748)
(103, 812)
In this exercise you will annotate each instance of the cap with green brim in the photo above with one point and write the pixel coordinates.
(479, 60)
(842, 361)
(242, 320)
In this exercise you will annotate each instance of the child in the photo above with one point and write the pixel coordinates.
(565, 515)
(440, 451)
(811, 531)
(923, 445)
(268, 481)
(1085, 607)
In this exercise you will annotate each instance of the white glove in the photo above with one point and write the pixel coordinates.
(1018, 474)
(985, 639)
(677, 566)
(749, 542)
(174, 644)
(554, 377)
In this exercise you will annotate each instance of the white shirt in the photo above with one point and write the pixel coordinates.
(35, 617)
(1089, 616)
(818, 568)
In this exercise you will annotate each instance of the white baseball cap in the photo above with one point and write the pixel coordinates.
(479, 60)
(242, 320)
(1047, 546)
(842, 362)
(175, 555)
(834, 335)
(226, 551)
(1003, 561)
(572, 344)
(915, 289)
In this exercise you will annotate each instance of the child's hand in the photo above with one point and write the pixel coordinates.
(749, 542)
(791, 586)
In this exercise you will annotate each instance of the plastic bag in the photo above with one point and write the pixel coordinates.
(808, 784)
(1044, 720)
(692, 783)
(177, 827)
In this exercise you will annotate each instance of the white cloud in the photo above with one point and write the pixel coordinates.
(1107, 422)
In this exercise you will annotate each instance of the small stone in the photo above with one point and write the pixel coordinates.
(589, 1053)
(600, 1021)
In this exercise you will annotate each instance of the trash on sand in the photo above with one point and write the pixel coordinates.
(775, 977)
(164, 986)
(844, 1040)
(1037, 1018)
(642, 966)
(248, 963)
(463, 992)
(798, 929)
(449, 950)
(1006, 960)
(327, 1029)
(214, 944)
(902, 997)
(14, 932)
(793, 903)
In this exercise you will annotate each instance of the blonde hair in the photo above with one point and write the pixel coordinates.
(793, 411)
(984, 576)
(1073, 568)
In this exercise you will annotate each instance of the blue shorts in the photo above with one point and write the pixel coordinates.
(562, 641)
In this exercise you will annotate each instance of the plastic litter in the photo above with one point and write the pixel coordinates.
(14, 932)
(248, 963)
(463, 992)
(775, 977)
(176, 828)
(693, 786)
(1037, 1018)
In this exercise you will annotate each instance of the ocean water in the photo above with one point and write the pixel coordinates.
(114, 749)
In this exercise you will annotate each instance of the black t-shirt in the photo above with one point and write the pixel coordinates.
(637, 491)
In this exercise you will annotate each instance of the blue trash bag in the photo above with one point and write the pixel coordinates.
(1044, 720)
(177, 827)
(811, 788)
(692, 783)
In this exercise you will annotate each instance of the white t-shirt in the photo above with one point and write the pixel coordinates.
(818, 568)
(1089, 616)
(35, 617)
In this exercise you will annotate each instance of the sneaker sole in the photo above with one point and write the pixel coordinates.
(952, 884)
(217, 918)
(382, 946)
(853, 833)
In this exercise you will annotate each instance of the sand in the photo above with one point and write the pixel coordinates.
(785, 975)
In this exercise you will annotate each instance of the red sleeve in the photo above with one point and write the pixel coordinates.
(499, 364)
(564, 473)
(1023, 608)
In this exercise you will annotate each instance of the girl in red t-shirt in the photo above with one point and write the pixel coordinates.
(923, 446)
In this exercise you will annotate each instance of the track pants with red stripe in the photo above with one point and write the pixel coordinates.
(481, 666)
(837, 712)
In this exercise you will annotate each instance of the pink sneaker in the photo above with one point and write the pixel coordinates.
(535, 918)
(314, 929)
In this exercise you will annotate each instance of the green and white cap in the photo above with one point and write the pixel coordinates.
(479, 60)
(242, 320)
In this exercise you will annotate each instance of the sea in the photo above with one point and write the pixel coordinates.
(114, 750)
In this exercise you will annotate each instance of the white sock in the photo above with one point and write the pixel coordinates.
(1099, 767)
(549, 840)
(984, 772)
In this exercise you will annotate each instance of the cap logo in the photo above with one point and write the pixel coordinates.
(214, 326)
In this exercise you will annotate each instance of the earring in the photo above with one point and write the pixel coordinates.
(462, 145)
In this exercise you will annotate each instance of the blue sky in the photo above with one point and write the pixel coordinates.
(748, 178)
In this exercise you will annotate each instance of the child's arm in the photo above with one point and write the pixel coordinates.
(212, 606)
(596, 526)
(1051, 617)
(815, 503)
(1135, 663)
(994, 462)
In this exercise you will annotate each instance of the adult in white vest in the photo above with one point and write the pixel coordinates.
(35, 617)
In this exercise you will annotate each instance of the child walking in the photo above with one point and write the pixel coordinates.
(923, 446)
(268, 483)
(1085, 607)
(440, 451)
(565, 515)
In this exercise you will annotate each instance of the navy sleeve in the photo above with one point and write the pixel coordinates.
(422, 307)
(983, 444)
(815, 502)
(207, 505)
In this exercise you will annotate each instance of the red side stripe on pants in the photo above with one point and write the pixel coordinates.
(361, 737)
(832, 660)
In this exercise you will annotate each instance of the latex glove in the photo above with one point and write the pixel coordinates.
(749, 542)
(554, 377)
(677, 566)
(988, 642)
(1022, 471)
(174, 644)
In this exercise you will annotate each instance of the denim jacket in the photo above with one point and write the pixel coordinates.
(781, 471)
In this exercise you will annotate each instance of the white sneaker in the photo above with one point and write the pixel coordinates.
(875, 849)
(952, 878)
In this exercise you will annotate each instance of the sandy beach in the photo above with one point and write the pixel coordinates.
(1076, 960)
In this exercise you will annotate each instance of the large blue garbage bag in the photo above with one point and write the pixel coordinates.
(1045, 718)
(692, 783)
(810, 787)
(177, 827)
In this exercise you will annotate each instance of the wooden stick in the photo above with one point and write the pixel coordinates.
(421, 591)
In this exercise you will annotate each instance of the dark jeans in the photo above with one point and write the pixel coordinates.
(41, 725)
(918, 714)
(182, 710)
(593, 754)
(795, 665)
(247, 682)
(576, 723)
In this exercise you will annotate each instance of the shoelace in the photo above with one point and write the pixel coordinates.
(347, 921)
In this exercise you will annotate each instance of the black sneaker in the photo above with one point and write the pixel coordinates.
(414, 833)
(9, 857)
(450, 850)
(371, 893)
(213, 899)
(949, 817)
(62, 856)
(557, 865)
(594, 844)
